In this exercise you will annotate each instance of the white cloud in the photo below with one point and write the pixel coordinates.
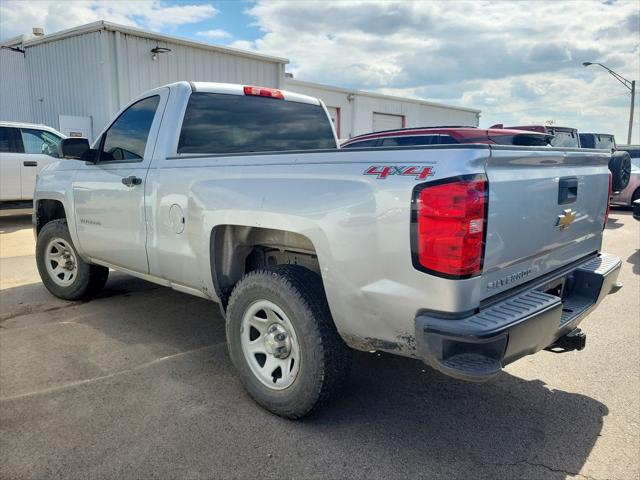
(215, 33)
(18, 16)
(517, 61)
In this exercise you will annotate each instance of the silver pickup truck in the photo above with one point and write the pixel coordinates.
(467, 257)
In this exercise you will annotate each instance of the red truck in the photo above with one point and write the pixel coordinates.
(448, 135)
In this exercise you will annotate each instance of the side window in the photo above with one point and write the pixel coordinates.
(126, 138)
(446, 140)
(39, 141)
(407, 141)
(363, 144)
(390, 142)
(5, 139)
(8, 139)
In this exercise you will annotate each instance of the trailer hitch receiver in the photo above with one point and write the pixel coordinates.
(574, 340)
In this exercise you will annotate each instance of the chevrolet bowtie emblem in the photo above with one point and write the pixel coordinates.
(566, 219)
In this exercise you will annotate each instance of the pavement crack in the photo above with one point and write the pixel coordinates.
(28, 311)
(109, 376)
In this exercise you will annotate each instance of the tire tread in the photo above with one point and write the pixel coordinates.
(307, 288)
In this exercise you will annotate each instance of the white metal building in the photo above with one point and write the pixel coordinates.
(356, 112)
(76, 80)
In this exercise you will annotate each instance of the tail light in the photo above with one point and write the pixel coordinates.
(606, 215)
(264, 92)
(449, 220)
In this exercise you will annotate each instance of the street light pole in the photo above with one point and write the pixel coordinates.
(633, 102)
(630, 84)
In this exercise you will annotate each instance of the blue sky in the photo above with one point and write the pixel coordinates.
(519, 62)
(231, 18)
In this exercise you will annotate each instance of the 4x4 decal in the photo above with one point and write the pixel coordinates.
(383, 171)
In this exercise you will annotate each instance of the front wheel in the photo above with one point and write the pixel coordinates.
(61, 269)
(283, 342)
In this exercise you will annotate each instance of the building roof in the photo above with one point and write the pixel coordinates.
(378, 95)
(114, 27)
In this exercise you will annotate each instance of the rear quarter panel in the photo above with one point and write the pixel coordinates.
(359, 225)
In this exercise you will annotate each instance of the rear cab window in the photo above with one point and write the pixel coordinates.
(216, 123)
(605, 142)
(564, 138)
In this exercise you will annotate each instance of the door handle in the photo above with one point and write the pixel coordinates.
(131, 181)
(30, 163)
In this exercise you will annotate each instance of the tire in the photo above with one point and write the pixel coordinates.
(77, 279)
(291, 300)
(620, 168)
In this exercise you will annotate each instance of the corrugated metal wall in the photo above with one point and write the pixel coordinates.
(14, 89)
(137, 72)
(96, 74)
(67, 77)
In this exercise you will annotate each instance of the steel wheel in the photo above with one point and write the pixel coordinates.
(270, 345)
(61, 262)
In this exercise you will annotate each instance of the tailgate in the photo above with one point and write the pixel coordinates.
(546, 210)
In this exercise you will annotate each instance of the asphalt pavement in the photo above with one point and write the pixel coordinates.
(136, 383)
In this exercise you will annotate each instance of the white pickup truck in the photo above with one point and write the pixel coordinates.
(25, 149)
(467, 257)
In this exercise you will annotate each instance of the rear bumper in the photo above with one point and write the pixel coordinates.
(477, 347)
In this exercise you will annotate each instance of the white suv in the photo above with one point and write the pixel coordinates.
(25, 148)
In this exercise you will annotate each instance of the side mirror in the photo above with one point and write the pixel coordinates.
(76, 149)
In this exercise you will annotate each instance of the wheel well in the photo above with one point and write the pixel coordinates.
(236, 250)
(48, 210)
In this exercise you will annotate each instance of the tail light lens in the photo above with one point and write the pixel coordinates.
(606, 215)
(449, 226)
(264, 92)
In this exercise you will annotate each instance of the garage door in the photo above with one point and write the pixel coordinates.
(385, 121)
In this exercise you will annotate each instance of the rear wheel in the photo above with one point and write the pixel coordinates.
(61, 269)
(283, 342)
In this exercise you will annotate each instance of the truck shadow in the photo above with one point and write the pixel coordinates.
(634, 260)
(616, 212)
(396, 418)
(506, 428)
(12, 223)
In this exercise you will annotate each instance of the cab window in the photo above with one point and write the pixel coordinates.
(126, 138)
(40, 141)
(8, 140)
